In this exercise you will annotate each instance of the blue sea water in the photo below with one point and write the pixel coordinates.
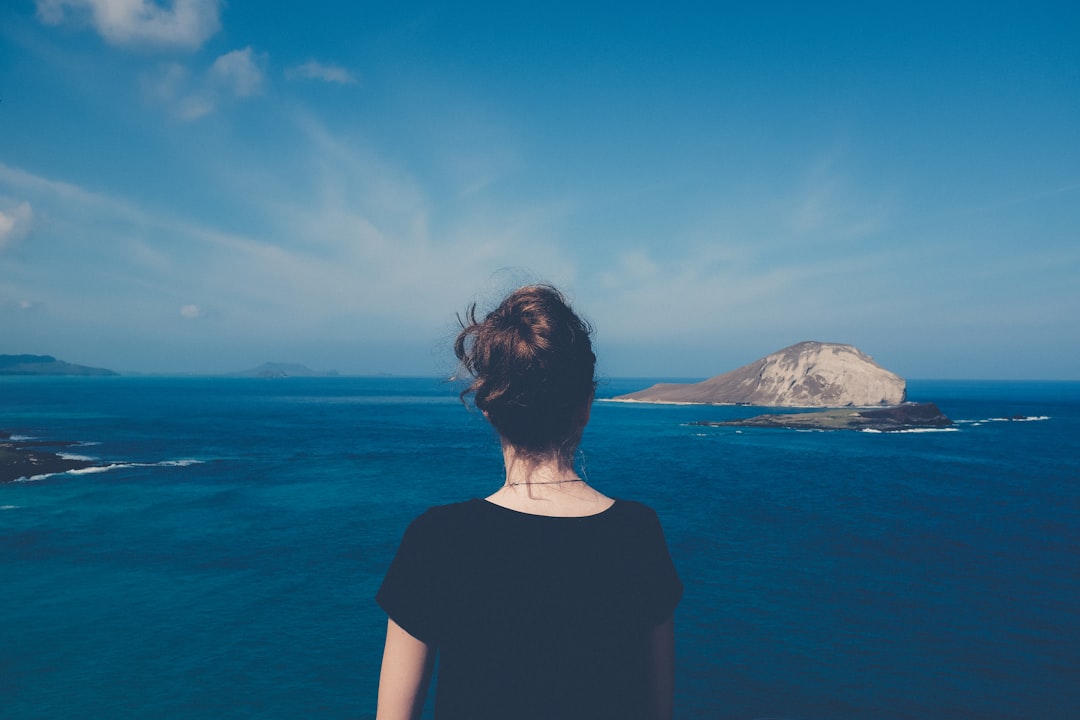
(224, 562)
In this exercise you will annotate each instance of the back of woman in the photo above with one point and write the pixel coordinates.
(547, 599)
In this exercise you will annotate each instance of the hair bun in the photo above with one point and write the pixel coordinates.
(532, 365)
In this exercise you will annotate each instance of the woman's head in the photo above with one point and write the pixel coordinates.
(532, 366)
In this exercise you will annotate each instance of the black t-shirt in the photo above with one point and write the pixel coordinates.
(534, 616)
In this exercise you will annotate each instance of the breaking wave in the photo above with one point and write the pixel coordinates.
(911, 430)
(94, 469)
(983, 421)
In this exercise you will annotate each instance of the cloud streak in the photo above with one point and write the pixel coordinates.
(186, 24)
(238, 74)
(14, 223)
(315, 70)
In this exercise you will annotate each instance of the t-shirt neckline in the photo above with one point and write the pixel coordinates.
(605, 511)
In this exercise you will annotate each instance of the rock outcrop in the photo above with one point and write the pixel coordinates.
(26, 458)
(899, 418)
(808, 374)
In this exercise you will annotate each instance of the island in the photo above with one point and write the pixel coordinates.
(46, 365)
(282, 370)
(908, 416)
(807, 374)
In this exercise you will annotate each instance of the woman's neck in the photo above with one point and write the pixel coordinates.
(530, 469)
(546, 485)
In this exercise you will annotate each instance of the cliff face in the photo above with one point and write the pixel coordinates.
(809, 374)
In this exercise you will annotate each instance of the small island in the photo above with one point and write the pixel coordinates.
(853, 392)
(282, 370)
(807, 374)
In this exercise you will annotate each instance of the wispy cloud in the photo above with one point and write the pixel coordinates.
(315, 70)
(186, 24)
(343, 249)
(239, 72)
(188, 96)
(15, 222)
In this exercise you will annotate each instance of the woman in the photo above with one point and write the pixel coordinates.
(547, 599)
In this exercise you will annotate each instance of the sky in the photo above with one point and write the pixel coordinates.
(202, 186)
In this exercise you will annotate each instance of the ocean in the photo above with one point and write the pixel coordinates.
(222, 559)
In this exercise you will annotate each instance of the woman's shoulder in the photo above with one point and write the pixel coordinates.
(440, 515)
(634, 509)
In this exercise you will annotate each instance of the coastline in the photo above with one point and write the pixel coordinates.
(23, 458)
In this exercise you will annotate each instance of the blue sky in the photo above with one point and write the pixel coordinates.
(202, 186)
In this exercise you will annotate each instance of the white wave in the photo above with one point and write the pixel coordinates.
(910, 430)
(929, 430)
(73, 456)
(9, 507)
(35, 478)
(94, 469)
(20, 438)
(1033, 418)
(118, 466)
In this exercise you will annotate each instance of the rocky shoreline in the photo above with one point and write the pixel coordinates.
(29, 458)
(908, 416)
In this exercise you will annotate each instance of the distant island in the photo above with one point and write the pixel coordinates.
(282, 370)
(807, 374)
(46, 365)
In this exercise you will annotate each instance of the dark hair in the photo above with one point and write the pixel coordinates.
(532, 365)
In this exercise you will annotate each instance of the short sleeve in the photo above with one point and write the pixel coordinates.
(408, 592)
(663, 587)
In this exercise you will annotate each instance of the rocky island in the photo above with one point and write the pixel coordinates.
(859, 393)
(808, 374)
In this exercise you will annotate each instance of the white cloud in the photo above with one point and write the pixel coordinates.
(185, 24)
(190, 311)
(189, 96)
(239, 72)
(315, 70)
(14, 223)
(171, 85)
